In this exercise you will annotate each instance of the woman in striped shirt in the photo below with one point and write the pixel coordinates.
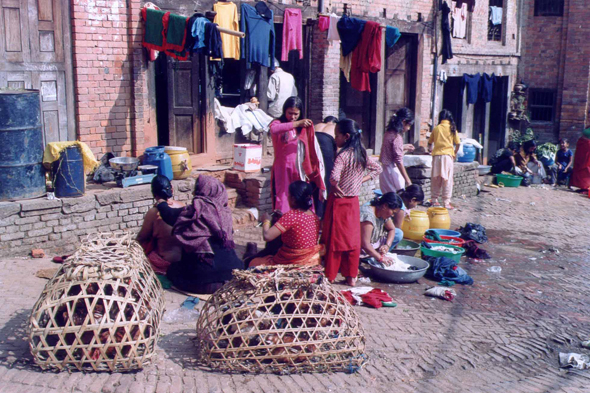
(341, 232)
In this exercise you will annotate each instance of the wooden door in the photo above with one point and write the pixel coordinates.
(35, 54)
(400, 78)
(358, 105)
(184, 103)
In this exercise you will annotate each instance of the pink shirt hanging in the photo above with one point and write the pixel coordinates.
(292, 33)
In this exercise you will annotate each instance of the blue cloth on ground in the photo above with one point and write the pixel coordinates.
(442, 269)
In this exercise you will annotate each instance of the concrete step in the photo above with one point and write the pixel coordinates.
(243, 217)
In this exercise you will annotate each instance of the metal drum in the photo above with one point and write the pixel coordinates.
(21, 145)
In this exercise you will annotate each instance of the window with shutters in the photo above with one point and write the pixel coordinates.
(542, 105)
(548, 7)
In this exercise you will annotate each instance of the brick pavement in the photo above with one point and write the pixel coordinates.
(502, 334)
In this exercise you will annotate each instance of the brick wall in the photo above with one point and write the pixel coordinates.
(57, 226)
(555, 55)
(109, 75)
(465, 178)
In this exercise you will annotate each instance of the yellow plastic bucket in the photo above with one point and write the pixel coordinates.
(415, 225)
(181, 161)
(439, 218)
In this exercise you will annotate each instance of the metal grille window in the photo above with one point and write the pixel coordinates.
(542, 104)
(495, 30)
(548, 7)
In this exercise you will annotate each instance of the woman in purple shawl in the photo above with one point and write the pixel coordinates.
(204, 228)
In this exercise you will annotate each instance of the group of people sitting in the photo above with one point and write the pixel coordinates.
(564, 169)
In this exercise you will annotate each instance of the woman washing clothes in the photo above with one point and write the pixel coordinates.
(299, 229)
(204, 229)
(527, 164)
(379, 235)
(394, 176)
(504, 161)
(155, 236)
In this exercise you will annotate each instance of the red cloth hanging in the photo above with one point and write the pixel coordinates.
(366, 57)
(311, 164)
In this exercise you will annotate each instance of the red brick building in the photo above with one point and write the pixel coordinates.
(97, 85)
(556, 66)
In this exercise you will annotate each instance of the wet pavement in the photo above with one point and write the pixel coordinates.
(502, 334)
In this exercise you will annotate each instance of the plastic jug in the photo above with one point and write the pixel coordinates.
(157, 156)
(181, 161)
(415, 225)
(439, 218)
(469, 153)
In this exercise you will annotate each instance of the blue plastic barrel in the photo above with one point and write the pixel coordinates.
(22, 174)
(158, 157)
(468, 154)
(68, 174)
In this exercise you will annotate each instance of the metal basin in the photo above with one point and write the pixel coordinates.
(484, 169)
(409, 252)
(409, 276)
(124, 163)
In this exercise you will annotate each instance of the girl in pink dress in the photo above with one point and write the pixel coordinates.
(284, 132)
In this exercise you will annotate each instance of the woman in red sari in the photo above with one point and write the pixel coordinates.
(581, 174)
(299, 229)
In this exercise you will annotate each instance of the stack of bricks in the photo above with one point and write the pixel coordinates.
(258, 193)
(234, 180)
(465, 179)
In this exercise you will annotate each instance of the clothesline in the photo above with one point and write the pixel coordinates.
(240, 34)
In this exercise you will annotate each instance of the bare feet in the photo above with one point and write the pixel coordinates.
(351, 281)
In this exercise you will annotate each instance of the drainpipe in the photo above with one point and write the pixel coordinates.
(435, 71)
(320, 6)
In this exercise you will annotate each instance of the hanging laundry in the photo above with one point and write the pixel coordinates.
(213, 42)
(152, 53)
(333, 34)
(190, 40)
(176, 32)
(227, 17)
(496, 15)
(487, 86)
(323, 22)
(345, 65)
(281, 86)
(259, 44)
(472, 84)
(366, 57)
(154, 31)
(392, 34)
(460, 21)
(350, 31)
(447, 51)
(248, 117)
(470, 4)
(292, 33)
(198, 32)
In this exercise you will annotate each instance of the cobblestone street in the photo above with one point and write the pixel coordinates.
(503, 334)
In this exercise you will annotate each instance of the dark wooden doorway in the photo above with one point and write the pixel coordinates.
(498, 116)
(400, 78)
(359, 106)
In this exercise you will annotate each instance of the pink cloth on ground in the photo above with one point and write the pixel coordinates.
(292, 33)
(284, 167)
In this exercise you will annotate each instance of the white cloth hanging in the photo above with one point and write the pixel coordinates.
(460, 21)
(333, 35)
(281, 85)
(246, 117)
(223, 113)
(496, 15)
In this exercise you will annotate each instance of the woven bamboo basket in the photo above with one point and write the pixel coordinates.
(101, 311)
(279, 320)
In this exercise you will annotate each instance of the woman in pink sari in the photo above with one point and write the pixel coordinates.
(284, 132)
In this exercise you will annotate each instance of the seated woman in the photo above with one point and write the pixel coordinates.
(527, 165)
(411, 196)
(204, 229)
(299, 229)
(504, 161)
(155, 236)
(378, 233)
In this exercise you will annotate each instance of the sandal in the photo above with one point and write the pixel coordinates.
(449, 207)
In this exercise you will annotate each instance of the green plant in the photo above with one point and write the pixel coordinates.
(547, 150)
(520, 138)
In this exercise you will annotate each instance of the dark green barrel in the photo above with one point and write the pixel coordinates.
(21, 145)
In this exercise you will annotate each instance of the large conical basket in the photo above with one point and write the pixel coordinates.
(101, 311)
(280, 320)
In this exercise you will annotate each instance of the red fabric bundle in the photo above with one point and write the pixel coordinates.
(366, 57)
(311, 164)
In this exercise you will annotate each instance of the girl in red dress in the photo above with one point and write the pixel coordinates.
(342, 227)
(299, 229)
